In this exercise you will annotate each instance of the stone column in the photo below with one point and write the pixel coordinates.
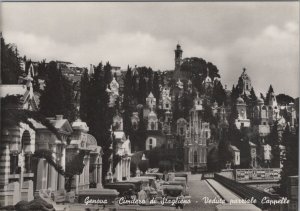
(128, 167)
(61, 178)
(76, 183)
(28, 163)
(95, 172)
(42, 174)
(53, 177)
(5, 164)
(87, 171)
(14, 163)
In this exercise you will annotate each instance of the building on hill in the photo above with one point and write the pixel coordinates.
(165, 100)
(152, 121)
(273, 108)
(178, 73)
(151, 101)
(207, 82)
(242, 120)
(195, 146)
(253, 154)
(181, 127)
(235, 152)
(261, 118)
(154, 139)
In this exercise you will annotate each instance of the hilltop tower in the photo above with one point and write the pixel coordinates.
(178, 57)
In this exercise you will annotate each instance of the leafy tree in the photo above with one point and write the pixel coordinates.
(284, 99)
(198, 66)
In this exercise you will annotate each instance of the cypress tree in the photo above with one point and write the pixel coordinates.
(155, 88)
(126, 102)
(52, 98)
(10, 63)
(273, 141)
(84, 95)
(99, 115)
(268, 94)
(291, 162)
(58, 96)
(219, 94)
(107, 73)
(223, 149)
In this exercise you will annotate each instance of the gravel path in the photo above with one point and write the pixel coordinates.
(198, 189)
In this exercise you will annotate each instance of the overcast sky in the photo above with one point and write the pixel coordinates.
(261, 36)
